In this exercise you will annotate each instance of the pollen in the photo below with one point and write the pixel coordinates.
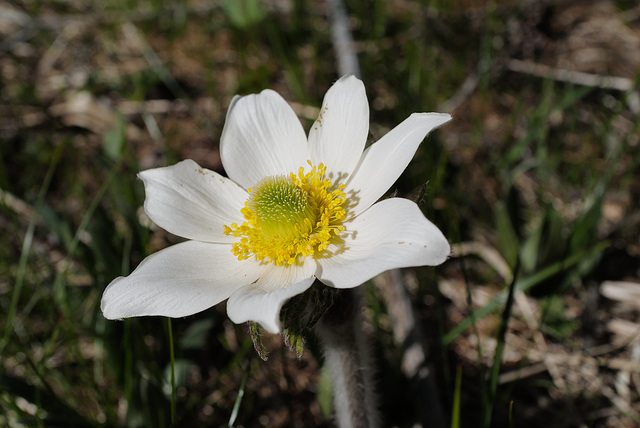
(290, 217)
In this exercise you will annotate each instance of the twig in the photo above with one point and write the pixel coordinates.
(342, 40)
(17, 205)
(408, 334)
(569, 76)
(466, 89)
(624, 292)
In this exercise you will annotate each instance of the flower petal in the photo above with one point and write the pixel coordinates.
(192, 202)
(178, 281)
(384, 161)
(338, 136)
(391, 234)
(262, 301)
(262, 136)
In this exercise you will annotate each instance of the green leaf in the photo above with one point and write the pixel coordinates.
(553, 244)
(197, 334)
(244, 14)
(508, 241)
(256, 338)
(586, 225)
(547, 242)
(58, 226)
(115, 138)
(530, 249)
(181, 369)
(325, 393)
(294, 341)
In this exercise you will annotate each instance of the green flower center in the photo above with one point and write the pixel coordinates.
(288, 218)
(281, 208)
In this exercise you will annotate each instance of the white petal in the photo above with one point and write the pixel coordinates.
(192, 202)
(384, 161)
(391, 234)
(181, 280)
(262, 136)
(338, 137)
(261, 302)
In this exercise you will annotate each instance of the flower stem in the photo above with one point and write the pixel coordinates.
(346, 356)
(173, 372)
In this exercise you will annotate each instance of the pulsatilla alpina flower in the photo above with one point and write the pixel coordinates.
(294, 209)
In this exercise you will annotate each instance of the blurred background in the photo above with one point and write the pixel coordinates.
(536, 183)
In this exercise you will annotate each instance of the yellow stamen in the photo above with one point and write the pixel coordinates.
(287, 218)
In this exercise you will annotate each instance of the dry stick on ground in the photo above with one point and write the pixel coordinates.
(342, 39)
(408, 334)
(464, 92)
(615, 83)
(577, 77)
(493, 258)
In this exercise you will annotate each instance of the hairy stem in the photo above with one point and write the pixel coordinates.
(347, 356)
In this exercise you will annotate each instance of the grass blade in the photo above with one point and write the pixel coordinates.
(455, 408)
(490, 395)
(173, 372)
(236, 405)
(26, 248)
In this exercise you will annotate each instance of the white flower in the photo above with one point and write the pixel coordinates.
(292, 210)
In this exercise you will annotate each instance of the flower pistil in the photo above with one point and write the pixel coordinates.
(289, 216)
